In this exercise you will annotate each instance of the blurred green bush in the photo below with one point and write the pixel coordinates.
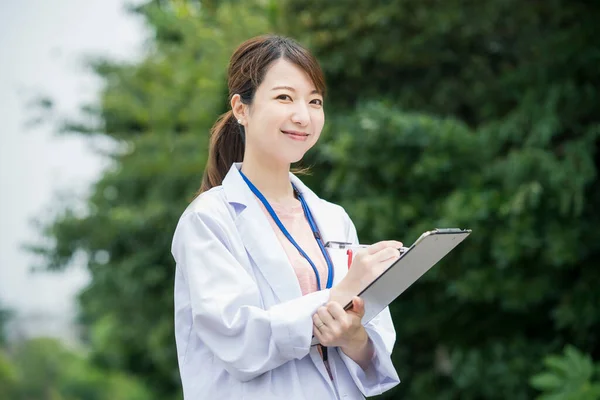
(44, 369)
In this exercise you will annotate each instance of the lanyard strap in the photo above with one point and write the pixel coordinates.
(318, 237)
(313, 227)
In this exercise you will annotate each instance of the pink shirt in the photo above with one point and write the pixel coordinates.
(292, 217)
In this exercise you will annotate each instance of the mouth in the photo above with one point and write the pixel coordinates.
(296, 135)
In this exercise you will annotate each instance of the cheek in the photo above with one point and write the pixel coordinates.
(276, 117)
(318, 120)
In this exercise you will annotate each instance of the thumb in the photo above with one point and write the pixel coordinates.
(358, 306)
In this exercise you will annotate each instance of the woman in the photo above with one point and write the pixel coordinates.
(254, 282)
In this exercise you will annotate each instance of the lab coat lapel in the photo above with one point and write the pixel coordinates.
(259, 238)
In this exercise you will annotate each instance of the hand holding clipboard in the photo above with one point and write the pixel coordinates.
(389, 280)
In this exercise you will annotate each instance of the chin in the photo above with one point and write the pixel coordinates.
(295, 158)
(290, 158)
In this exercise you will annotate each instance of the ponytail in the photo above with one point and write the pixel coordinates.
(226, 147)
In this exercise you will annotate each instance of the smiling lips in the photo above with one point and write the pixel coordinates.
(295, 135)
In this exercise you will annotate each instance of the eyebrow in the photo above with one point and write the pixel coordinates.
(291, 89)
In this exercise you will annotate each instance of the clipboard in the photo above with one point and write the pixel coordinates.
(425, 252)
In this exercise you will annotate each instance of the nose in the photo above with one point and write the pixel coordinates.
(301, 115)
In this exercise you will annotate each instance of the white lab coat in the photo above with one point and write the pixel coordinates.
(242, 327)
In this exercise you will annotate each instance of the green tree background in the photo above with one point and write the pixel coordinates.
(458, 113)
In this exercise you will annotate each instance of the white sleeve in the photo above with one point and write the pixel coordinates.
(380, 375)
(226, 305)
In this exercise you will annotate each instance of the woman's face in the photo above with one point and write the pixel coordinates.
(286, 117)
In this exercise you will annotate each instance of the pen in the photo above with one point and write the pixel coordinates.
(354, 247)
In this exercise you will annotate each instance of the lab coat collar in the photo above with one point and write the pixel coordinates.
(239, 193)
(259, 237)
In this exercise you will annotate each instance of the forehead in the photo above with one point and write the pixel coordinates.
(285, 73)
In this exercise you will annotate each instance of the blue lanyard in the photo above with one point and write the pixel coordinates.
(313, 227)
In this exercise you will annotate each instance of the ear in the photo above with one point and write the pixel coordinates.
(240, 110)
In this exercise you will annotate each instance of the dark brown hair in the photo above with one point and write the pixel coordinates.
(247, 69)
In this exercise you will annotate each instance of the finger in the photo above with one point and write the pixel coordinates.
(358, 307)
(321, 331)
(377, 247)
(317, 321)
(388, 253)
(318, 334)
(336, 310)
(325, 316)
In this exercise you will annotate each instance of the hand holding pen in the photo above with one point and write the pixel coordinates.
(352, 248)
(367, 265)
(355, 247)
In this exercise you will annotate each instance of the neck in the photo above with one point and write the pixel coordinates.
(273, 180)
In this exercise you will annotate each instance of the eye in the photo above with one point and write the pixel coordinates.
(318, 102)
(284, 97)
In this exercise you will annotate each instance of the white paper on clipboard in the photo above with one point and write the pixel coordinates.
(430, 248)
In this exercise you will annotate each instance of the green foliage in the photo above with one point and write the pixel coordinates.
(43, 369)
(571, 376)
(472, 59)
(8, 378)
(5, 316)
(479, 115)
